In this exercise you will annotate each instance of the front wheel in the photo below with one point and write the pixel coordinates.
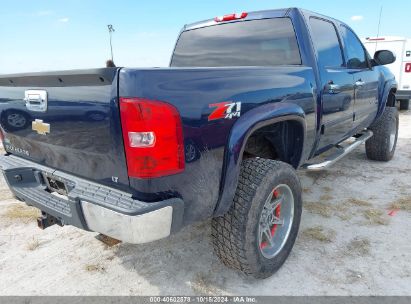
(381, 146)
(258, 232)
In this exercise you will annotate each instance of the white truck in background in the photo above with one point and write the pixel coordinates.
(401, 68)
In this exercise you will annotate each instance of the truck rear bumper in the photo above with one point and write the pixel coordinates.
(91, 206)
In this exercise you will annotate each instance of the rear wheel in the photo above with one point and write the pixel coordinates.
(404, 104)
(258, 232)
(381, 146)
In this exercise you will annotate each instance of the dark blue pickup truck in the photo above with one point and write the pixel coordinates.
(136, 154)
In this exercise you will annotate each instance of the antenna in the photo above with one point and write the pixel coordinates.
(110, 31)
(378, 31)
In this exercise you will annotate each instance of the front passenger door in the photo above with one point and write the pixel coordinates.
(365, 79)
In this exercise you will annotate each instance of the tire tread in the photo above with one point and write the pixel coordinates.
(377, 147)
(228, 231)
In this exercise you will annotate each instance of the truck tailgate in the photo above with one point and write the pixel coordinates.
(66, 120)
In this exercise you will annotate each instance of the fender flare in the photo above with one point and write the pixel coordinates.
(251, 121)
(389, 85)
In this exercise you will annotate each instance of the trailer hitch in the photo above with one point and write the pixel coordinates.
(46, 220)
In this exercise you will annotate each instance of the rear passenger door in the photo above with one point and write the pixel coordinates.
(365, 79)
(337, 89)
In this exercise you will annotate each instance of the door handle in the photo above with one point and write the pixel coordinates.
(332, 88)
(359, 83)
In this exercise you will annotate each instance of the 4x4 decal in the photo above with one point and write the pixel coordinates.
(226, 109)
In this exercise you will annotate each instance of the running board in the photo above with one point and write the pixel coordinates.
(340, 153)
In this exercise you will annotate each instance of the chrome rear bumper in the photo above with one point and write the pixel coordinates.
(92, 206)
(135, 229)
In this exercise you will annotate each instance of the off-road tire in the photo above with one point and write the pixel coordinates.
(378, 146)
(404, 104)
(235, 235)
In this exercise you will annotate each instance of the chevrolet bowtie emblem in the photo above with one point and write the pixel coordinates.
(40, 127)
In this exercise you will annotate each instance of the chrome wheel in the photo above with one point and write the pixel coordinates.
(275, 221)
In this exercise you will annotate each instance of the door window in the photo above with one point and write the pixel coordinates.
(356, 56)
(326, 42)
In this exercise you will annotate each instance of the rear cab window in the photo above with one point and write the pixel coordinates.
(263, 42)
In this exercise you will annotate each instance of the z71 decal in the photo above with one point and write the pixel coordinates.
(226, 110)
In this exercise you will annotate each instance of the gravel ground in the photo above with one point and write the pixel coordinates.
(348, 244)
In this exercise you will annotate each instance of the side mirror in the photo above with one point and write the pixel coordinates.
(384, 57)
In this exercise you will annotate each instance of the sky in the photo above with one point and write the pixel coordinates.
(44, 35)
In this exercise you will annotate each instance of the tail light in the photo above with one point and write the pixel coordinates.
(408, 67)
(230, 17)
(153, 138)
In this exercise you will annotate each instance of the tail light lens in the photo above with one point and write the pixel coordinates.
(153, 138)
(408, 68)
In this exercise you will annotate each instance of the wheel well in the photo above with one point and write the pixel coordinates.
(391, 98)
(280, 141)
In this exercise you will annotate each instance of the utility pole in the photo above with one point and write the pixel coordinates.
(110, 32)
